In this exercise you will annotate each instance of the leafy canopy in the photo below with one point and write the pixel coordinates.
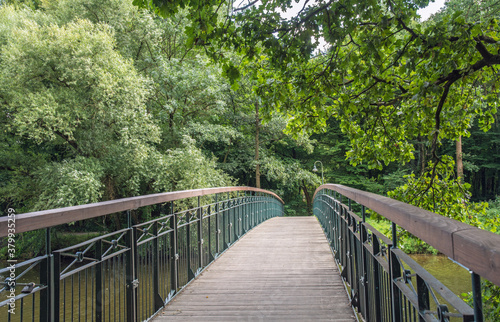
(387, 76)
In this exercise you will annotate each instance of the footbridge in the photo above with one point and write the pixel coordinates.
(229, 254)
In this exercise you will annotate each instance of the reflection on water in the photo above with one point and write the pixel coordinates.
(453, 276)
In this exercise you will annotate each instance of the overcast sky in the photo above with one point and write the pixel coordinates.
(433, 7)
(424, 13)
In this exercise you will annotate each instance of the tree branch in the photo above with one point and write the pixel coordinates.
(245, 7)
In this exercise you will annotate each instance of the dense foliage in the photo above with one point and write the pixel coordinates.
(101, 100)
(104, 99)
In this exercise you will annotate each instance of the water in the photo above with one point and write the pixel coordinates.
(453, 276)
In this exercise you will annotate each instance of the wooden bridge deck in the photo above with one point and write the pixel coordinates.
(282, 270)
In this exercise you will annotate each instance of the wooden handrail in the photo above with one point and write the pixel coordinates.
(476, 249)
(53, 217)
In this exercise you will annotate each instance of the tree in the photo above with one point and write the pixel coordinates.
(78, 118)
(389, 78)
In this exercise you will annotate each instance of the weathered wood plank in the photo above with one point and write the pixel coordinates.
(282, 270)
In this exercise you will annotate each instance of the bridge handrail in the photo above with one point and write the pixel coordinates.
(156, 245)
(53, 217)
(476, 249)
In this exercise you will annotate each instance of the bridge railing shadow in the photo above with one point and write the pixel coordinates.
(384, 283)
(133, 271)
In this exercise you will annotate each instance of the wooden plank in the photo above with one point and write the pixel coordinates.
(282, 270)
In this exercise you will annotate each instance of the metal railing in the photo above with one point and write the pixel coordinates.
(132, 272)
(384, 283)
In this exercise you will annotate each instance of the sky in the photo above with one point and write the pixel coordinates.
(433, 7)
(424, 13)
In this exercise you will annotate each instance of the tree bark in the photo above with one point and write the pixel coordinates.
(460, 165)
(308, 197)
(257, 131)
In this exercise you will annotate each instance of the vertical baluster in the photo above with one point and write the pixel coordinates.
(210, 231)
(224, 226)
(377, 279)
(46, 295)
(99, 299)
(217, 225)
(158, 301)
(200, 234)
(364, 266)
(56, 287)
(173, 246)
(476, 294)
(395, 273)
(131, 271)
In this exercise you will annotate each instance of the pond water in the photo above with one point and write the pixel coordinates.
(452, 275)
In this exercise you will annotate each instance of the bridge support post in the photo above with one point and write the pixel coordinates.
(131, 279)
(158, 301)
(376, 280)
(476, 294)
(364, 275)
(56, 287)
(210, 241)
(224, 225)
(200, 234)
(174, 271)
(99, 293)
(217, 225)
(190, 272)
(45, 279)
(395, 273)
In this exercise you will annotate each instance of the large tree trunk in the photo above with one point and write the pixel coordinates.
(460, 165)
(257, 130)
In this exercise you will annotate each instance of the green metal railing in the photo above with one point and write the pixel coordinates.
(385, 284)
(131, 273)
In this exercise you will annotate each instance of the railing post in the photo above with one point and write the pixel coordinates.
(188, 247)
(364, 276)
(476, 295)
(395, 273)
(376, 279)
(229, 212)
(244, 214)
(173, 247)
(131, 262)
(200, 234)
(224, 225)
(235, 220)
(99, 293)
(261, 208)
(158, 301)
(217, 225)
(211, 256)
(45, 279)
(56, 287)
(252, 209)
(240, 216)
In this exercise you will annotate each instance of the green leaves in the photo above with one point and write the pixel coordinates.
(439, 191)
(68, 83)
(69, 183)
